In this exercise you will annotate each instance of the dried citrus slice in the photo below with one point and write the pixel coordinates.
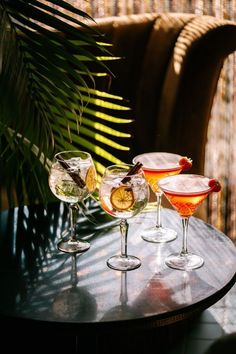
(122, 198)
(90, 179)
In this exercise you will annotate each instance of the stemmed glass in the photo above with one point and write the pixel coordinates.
(186, 193)
(72, 178)
(123, 193)
(157, 165)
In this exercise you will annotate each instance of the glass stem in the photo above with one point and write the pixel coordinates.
(158, 224)
(73, 215)
(124, 232)
(185, 222)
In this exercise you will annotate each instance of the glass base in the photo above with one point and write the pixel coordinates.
(123, 263)
(189, 261)
(158, 234)
(73, 246)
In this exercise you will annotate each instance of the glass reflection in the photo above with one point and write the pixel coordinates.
(124, 310)
(156, 297)
(74, 302)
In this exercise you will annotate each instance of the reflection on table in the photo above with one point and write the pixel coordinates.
(44, 284)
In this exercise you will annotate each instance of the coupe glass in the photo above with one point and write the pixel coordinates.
(157, 165)
(72, 178)
(123, 194)
(186, 193)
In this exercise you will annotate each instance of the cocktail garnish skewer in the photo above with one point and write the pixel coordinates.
(76, 178)
(132, 171)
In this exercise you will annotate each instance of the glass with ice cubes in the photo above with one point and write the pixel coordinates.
(72, 178)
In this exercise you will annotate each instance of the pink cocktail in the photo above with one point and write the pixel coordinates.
(186, 193)
(157, 165)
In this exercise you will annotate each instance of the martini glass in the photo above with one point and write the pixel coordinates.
(72, 178)
(186, 193)
(123, 194)
(157, 165)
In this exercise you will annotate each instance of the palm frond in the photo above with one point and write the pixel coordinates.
(49, 63)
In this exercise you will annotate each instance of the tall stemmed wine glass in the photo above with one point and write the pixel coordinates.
(157, 165)
(186, 193)
(72, 178)
(123, 193)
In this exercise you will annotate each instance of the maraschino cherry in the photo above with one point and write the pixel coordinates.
(185, 163)
(214, 184)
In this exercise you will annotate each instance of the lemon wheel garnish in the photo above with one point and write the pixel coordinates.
(122, 198)
(90, 179)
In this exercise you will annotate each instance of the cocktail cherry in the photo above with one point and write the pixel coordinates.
(185, 163)
(214, 184)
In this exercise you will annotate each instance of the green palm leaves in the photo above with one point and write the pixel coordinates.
(48, 97)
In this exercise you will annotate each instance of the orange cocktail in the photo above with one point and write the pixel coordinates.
(186, 204)
(153, 176)
(157, 165)
(186, 193)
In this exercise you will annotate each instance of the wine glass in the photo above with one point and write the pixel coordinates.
(186, 193)
(157, 165)
(72, 178)
(123, 193)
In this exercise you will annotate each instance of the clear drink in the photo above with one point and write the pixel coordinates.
(123, 193)
(135, 193)
(62, 184)
(72, 178)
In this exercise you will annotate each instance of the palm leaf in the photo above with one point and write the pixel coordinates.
(48, 96)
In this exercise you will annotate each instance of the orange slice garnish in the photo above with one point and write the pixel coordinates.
(90, 179)
(122, 198)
